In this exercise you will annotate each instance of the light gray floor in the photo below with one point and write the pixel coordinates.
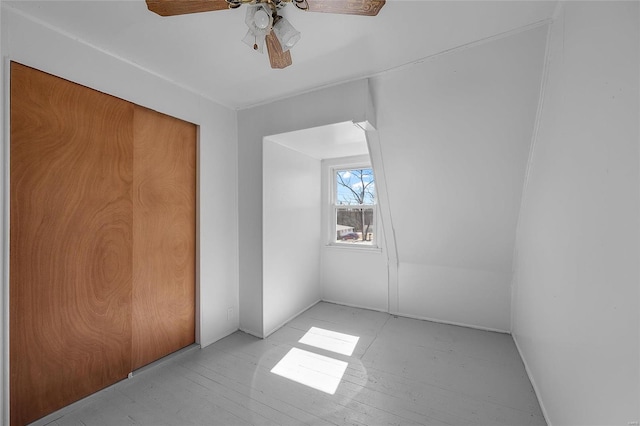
(403, 372)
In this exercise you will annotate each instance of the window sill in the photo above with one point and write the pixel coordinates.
(353, 247)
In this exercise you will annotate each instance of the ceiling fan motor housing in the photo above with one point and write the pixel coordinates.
(268, 27)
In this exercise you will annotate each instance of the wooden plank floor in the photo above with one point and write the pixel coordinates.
(402, 372)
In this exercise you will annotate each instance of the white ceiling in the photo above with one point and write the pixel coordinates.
(331, 141)
(204, 52)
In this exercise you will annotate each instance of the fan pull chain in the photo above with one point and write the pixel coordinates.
(255, 43)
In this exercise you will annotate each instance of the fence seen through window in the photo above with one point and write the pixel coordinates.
(354, 206)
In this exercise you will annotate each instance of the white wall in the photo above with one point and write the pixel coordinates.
(346, 102)
(354, 276)
(455, 132)
(42, 47)
(291, 234)
(576, 298)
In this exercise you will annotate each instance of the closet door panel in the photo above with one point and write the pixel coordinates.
(70, 242)
(164, 200)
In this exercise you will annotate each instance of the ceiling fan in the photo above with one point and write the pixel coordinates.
(266, 26)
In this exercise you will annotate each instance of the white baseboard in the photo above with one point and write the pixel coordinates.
(220, 336)
(283, 323)
(369, 308)
(459, 324)
(251, 332)
(536, 390)
(400, 314)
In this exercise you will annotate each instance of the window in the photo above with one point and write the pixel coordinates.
(354, 206)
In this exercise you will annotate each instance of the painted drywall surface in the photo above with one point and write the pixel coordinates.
(355, 277)
(41, 47)
(352, 276)
(576, 298)
(327, 106)
(291, 233)
(437, 291)
(455, 132)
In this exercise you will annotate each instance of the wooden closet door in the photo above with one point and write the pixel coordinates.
(70, 242)
(164, 200)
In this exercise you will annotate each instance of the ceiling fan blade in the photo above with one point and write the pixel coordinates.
(182, 7)
(348, 7)
(277, 57)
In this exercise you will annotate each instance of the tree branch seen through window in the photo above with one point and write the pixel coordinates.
(355, 201)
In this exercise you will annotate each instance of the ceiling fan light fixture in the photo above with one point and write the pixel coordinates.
(256, 42)
(266, 26)
(261, 19)
(258, 19)
(286, 34)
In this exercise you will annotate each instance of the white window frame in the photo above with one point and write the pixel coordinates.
(331, 168)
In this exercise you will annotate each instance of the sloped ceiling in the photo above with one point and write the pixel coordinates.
(455, 135)
(330, 141)
(204, 52)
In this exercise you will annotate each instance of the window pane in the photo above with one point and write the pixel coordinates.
(355, 186)
(355, 225)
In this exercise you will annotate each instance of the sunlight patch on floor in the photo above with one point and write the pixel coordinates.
(329, 340)
(313, 370)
